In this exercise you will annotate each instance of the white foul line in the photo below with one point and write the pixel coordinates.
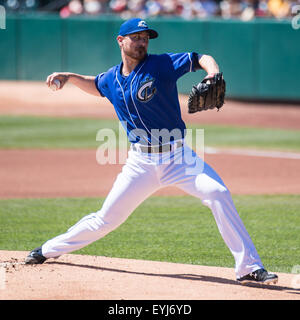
(254, 153)
(2, 278)
(7, 264)
(3, 267)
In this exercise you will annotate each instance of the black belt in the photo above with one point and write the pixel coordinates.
(157, 149)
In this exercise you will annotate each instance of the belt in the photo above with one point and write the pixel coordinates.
(157, 149)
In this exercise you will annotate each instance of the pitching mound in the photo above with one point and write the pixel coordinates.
(101, 278)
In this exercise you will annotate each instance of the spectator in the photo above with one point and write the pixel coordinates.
(75, 7)
(249, 10)
(92, 6)
(129, 8)
(137, 8)
(153, 8)
(169, 7)
(21, 5)
(279, 8)
(193, 9)
(295, 7)
(231, 8)
(118, 6)
(262, 9)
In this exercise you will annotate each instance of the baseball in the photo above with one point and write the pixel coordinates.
(55, 85)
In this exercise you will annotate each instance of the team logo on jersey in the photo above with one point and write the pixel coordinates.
(142, 24)
(146, 91)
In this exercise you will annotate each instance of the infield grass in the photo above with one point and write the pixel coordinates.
(173, 229)
(47, 132)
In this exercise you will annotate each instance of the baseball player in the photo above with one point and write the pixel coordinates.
(143, 91)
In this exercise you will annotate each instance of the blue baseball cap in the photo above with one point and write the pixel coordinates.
(136, 25)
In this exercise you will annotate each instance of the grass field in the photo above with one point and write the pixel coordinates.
(176, 229)
(47, 132)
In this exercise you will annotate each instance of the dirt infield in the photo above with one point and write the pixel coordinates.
(90, 277)
(75, 173)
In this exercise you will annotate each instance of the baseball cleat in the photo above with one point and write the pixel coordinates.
(259, 276)
(35, 257)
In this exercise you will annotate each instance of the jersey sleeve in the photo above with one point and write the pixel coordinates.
(100, 83)
(184, 63)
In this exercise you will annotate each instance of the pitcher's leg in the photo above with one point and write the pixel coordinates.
(209, 187)
(129, 190)
(233, 232)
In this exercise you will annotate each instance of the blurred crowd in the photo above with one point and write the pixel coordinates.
(187, 9)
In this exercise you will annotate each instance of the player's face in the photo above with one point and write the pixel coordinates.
(135, 45)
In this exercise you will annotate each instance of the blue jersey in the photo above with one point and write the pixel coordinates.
(146, 101)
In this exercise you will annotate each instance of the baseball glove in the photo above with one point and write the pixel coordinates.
(206, 95)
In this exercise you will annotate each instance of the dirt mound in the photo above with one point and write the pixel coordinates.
(101, 278)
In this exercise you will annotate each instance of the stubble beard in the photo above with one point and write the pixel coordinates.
(137, 54)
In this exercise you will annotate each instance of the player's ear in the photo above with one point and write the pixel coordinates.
(119, 40)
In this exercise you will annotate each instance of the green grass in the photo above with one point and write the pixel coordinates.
(174, 229)
(247, 137)
(47, 132)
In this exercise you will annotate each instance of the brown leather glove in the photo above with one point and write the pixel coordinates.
(206, 95)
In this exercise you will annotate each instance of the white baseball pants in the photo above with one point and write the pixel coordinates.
(142, 175)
